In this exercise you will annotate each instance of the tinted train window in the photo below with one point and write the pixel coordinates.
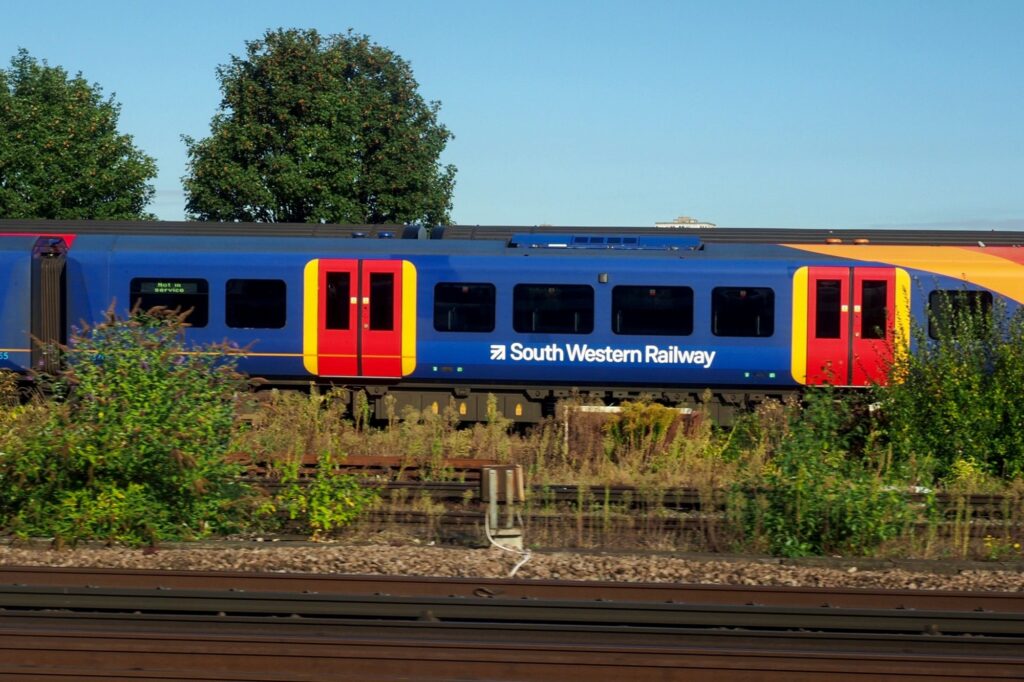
(382, 301)
(665, 311)
(874, 297)
(255, 303)
(944, 306)
(173, 294)
(742, 311)
(553, 308)
(827, 311)
(463, 307)
(339, 303)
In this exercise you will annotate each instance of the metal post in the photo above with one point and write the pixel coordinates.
(510, 498)
(492, 504)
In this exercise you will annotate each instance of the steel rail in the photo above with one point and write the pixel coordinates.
(423, 586)
(525, 611)
(426, 630)
(210, 654)
(267, 629)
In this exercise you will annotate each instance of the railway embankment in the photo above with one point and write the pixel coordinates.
(416, 559)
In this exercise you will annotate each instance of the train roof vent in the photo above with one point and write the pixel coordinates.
(624, 242)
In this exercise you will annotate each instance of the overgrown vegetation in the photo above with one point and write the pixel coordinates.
(820, 491)
(956, 405)
(132, 446)
(147, 439)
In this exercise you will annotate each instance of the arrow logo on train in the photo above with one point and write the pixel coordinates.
(497, 352)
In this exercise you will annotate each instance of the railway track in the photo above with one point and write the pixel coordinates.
(396, 475)
(610, 515)
(99, 624)
(420, 586)
(461, 521)
(568, 510)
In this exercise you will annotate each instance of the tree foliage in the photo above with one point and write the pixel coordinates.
(60, 153)
(318, 128)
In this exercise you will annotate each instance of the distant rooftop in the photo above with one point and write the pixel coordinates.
(684, 221)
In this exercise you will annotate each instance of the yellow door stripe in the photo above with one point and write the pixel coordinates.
(310, 315)
(901, 332)
(798, 354)
(408, 318)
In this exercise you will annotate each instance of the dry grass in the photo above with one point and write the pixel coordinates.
(647, 446)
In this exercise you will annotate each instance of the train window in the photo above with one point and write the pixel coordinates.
(463, 307)
(174, 294)
(553, 308)
(652, 310)
(827, 308)
(382, 301)
(742, 311)
(873, 300)
(339, 303)
(945, 306)
(255, 303)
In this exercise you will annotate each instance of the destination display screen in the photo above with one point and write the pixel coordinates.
(168, 287)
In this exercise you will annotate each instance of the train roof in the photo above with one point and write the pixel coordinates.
(698, 236)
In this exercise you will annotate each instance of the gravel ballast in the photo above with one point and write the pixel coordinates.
(419, 560)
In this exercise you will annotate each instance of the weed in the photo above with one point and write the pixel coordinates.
(1000, 549)
(326, 502)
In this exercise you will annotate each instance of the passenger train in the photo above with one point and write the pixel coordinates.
(528, 315)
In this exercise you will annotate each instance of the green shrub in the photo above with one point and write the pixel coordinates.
(958, 399)
(327, 501)
(815, 493)
(135, 452)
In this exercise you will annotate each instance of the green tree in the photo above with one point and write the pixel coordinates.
(60, 153)
(318, 128)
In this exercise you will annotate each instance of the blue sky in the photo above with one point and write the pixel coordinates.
(754, 114)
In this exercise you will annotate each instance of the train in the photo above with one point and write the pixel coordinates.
(715, 318)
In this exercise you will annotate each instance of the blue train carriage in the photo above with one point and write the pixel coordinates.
(331, 311)
(268, 295)
(617, 317)
(614, 317)
(529, 319)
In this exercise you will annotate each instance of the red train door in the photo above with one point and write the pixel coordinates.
(380, 318)
(828, 328)
(360, 318)
(853, 322)
(873, 324)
